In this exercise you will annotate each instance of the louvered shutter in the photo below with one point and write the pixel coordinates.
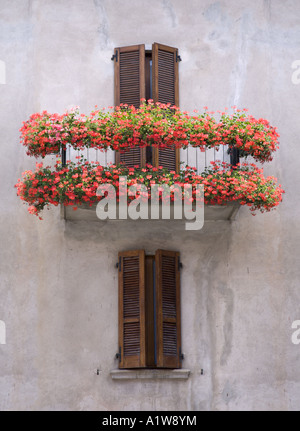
(130, 89)
(132, 309)
(168, 326)
(165, 86)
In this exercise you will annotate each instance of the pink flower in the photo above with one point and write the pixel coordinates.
(32, 209)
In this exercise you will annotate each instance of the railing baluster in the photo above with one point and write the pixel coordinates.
(191, 156)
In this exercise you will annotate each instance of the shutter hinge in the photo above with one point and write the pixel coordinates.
(118, 264)
(115, 56)
(118, 355)
(181, 355)
(179, 264)
(178, 58)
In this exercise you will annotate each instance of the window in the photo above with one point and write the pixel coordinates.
(149, 310)
(141, 74)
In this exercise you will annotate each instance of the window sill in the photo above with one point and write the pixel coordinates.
(181, 374)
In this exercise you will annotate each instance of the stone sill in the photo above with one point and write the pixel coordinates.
(211, 213)
(181, 374)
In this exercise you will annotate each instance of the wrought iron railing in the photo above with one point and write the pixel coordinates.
(191, 156)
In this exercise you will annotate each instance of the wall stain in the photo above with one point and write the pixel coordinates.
(168, 7)
(227, 294)
(228, 393)
(103, 28)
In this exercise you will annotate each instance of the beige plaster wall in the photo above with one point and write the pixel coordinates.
(240, 280)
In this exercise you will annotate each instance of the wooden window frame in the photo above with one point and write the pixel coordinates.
(148, 155)
(159, 292)
(132, 361)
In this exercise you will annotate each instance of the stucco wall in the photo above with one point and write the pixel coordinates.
(240, 279)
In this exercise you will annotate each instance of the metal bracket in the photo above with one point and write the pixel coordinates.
(118, 355)
(181, 355)
(179, 264)
(178, 58)
(115, 56)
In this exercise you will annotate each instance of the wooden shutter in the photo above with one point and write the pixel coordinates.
(168, 328)
(165, 87)
(150, 307)
(130, 89)
(132, 309)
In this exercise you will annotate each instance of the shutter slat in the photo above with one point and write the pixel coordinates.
(130, 89)
(166, 74)
(168, 286)
(165, 90)
(168, 309)
(132, 309)
(167, 158)
(131, 157)
(170, 339)
(132, 339)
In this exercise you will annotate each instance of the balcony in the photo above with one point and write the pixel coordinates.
(197, 142)
(190, 156)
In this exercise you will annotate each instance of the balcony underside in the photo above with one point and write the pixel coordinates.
(212, 213)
